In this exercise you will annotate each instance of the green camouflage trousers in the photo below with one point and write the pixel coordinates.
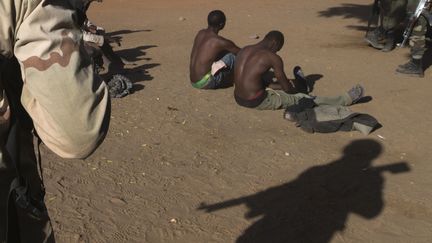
(417, 39)
(393, 13)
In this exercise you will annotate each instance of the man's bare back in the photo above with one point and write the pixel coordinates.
(209, 48)
(252, 63)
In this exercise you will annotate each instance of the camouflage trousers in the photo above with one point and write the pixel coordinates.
(393, 13)
(417, 39)
(31, 230)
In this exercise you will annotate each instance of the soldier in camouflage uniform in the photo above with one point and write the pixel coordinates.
(392, 13)
(417, 42)
(46, 71)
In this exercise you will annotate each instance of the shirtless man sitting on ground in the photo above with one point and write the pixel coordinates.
(253, 91)
(212, 58)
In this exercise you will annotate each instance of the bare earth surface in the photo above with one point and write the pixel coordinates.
(173, 149)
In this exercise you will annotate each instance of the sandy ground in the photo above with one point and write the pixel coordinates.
(176, 157)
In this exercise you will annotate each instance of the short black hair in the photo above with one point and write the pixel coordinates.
(276, 36)
(216, 18)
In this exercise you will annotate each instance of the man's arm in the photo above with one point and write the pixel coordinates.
(230, 46)
(278, 68)
(68, 103)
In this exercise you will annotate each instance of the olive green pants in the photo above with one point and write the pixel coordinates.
(278, 99)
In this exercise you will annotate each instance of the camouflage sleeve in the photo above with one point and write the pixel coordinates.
(68, 103)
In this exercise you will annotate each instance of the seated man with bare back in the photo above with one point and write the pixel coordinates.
(212, 58)
(252, 90)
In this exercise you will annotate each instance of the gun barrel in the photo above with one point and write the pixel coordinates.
(221, 205)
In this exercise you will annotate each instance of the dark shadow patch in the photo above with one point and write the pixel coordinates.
(137, 87)
(125, 32)
(311, 80)
(135, 54)
(316, 205)
(349, 11)
(365, 99)
(141, 73)
(361, 12)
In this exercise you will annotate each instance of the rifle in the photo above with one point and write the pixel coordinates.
(421, 7)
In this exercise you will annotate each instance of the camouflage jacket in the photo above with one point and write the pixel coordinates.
(68, 103)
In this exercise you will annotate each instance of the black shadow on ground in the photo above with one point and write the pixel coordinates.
(130, 69)
(365, 99)
(350, 11)
(316, 205)
(311, 80)
(135, 54)
(124, 32)
(138, 73)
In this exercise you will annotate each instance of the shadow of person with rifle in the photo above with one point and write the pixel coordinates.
(350, 11)
(316, 205)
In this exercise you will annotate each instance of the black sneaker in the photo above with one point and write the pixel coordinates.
(301, 80)
(389, 42)
(375, 38)
(412, 68)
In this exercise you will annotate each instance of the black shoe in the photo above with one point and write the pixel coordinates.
(375, 38)
(412, 68)
(389, 42)
(301, 80)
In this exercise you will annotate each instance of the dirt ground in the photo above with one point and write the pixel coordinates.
(185, 165)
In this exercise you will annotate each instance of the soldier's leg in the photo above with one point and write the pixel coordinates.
(396, 13)
(375, 37)
(348, 98)
(33, 230)
(392, 14)
(7, 174)
(418, 47)
(30, 229)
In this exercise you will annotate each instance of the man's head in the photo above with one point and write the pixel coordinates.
(275, 39)
(216, 19)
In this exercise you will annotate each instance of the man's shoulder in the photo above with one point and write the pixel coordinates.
(254, 50)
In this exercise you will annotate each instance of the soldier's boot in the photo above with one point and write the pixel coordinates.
(389, 41)
(412, 68)
(376, 38)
